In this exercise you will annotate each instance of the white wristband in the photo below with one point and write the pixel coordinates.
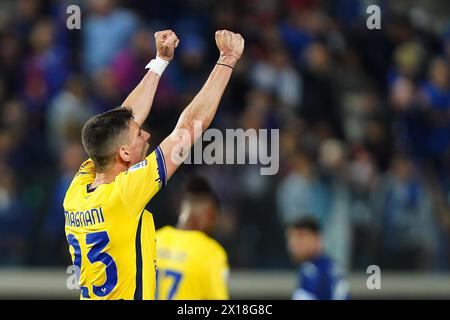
(157, 65)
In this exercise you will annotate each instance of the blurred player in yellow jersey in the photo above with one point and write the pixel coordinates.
(192, 265)
(111, 236)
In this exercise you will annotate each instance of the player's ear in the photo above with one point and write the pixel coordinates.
(124, 154)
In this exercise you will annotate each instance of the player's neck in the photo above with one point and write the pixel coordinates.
(186, 226)
(182, 226)
(191, 227)
(107, 176)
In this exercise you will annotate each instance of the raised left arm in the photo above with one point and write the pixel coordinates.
(140, 100)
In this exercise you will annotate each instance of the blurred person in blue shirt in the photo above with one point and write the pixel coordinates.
(45, 68)
(52, 238)
(14, 222)
(319, 277)
(436, 104)
(300, 191)
(107, 30)
(405, 217)
(67, 113)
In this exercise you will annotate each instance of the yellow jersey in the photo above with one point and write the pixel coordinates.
(191, 266)
(110, 234)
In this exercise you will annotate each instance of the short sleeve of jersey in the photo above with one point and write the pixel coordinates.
(142, 181)
(216, 275)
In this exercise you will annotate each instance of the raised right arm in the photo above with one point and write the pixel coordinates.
(203, 107)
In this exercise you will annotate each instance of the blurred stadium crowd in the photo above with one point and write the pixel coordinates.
(364, 119)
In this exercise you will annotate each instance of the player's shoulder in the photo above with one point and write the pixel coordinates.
(212, 246)
(154, 162)
(164, 231)
(84, 176)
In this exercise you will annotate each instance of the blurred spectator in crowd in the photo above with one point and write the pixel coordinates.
(67, 113)
(128, 64)
(363, 176)
(258, 200)
(300, 192)
(440, 195)
(295, 32)
(408, 61)
(405, 217)
(10, 66)
(105, 91)
(106, 30)
(334, 179)
(319, 103)
(52, 239)
(14, 221)
(319, 277)
(46, 68)
(278, 76)
(192, 70)
(446, 43)
(406, 123)
(13, 124)
(25, 15)
(436, 105)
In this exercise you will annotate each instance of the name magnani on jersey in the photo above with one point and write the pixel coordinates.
(84, 218)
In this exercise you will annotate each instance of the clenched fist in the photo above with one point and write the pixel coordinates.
(230, 44)
(166, 41)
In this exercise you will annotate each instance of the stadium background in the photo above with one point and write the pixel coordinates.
(364, 119)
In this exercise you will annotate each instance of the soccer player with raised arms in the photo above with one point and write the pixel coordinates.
(111, 236)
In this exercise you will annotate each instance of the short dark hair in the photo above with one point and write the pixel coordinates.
(308, 222)
(200, 187)
(102, 133)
